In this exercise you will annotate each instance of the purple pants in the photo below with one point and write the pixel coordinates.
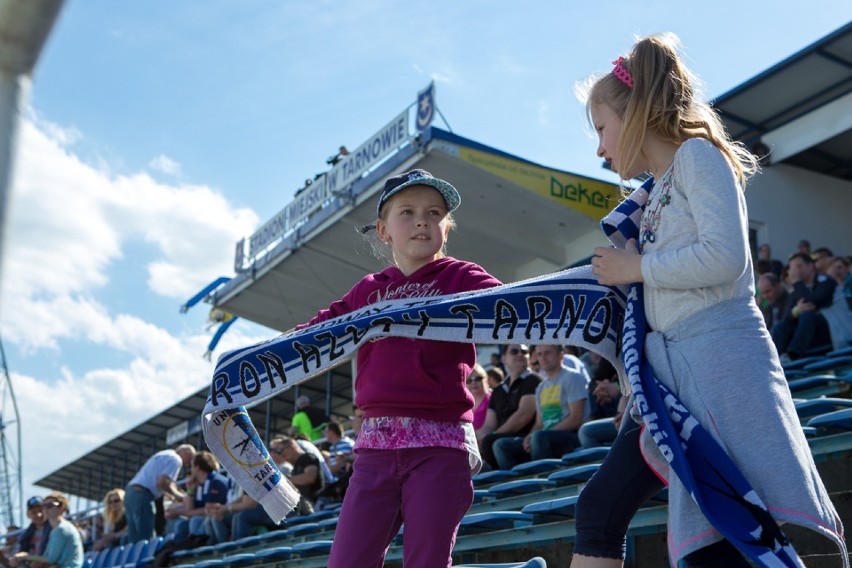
(429, 489)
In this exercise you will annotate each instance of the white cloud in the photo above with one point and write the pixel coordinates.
(166, 165)
(69, 223)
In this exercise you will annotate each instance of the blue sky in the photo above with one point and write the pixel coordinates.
(160, 133)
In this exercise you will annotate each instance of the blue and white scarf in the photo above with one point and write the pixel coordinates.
(567, 307)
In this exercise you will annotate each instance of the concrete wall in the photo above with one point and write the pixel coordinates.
(786, 204)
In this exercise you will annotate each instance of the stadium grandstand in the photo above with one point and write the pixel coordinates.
(520, 219)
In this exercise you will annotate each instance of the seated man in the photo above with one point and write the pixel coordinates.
(772, 299)
(307, 475)
(803, 326)
(212, 488)
(560, 411)
(511, 410)
(245, 513)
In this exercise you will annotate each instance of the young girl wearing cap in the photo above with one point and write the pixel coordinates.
(707, 342)
(417, 448)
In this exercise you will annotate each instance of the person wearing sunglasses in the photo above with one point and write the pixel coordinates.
(114, 523)
(511, 410)
(64, 545)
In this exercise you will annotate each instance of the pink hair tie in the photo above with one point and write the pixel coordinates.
(622, 73)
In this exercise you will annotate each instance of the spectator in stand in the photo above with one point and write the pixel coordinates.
(114, 524)
(803, 247)
(803, 326)
(340, 447)
(64, 546)
(357, 420)
(10, 544)
(156, 478)
(560, 411)
(308, 420)
(838, 269)
(822, 256)
(306, 476)
(535, 366)
(34, 538)
(511, 410)
(495, 363)
(606, 408)
(212, 487)
(495, 378)
(765, 253)
(245, 513)
(477, 384)
(771, 299)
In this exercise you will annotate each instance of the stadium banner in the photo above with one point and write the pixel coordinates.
(593, 198)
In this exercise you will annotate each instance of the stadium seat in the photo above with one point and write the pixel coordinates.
(521, 486)
(814, 406)
(801, 363)
(830, 363)
(574, 475)
(225, 547)
(303, 529)
(328, 524)
(493, 476)
(238, 560)
(110, 557)
(132, 555)
(585, 455)
(272, 555)
(552, 510)
(842, 352)
(536, 562)
(537, 466)
(212, 563)
(312, 548)
(496, 520)
(839, 420)
(269, 539)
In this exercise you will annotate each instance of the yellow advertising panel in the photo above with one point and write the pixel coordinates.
(588, 196)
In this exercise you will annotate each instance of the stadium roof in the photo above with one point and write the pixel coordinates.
(800, 109)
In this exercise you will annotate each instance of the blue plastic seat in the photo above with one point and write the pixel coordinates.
(212, 563)
(537, 562)
(110, 557)
(552, 509)
(812, 407)
(574, 475)
(494, 520)
(585, 455)
(328, 524)
(840, 420)
(312, 548)
(829, 363)
(521, 486)
(303, 529)
(271, 555)
(238, 560)
(225, 547)
(538, 466)
(493, 476)
(132, 555)
(801, 363)
(842, 352)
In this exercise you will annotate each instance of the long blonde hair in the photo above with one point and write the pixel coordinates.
(663, 101)
(111, 516)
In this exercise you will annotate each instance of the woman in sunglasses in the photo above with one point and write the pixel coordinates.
(113, 522)
(64, 546)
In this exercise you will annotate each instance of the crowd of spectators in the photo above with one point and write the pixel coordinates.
(530, 402)
(807, 302)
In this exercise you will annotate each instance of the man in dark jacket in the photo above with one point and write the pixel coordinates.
(803, 326)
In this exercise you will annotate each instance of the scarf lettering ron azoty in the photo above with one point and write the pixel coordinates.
(567, 307)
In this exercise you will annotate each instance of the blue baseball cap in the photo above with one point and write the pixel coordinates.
(419, 177)
(34, 502)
